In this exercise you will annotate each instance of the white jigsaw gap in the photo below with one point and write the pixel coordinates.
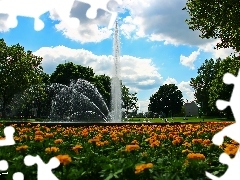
(36, 8)
(9, 136)
(231, 131)
(103, 4)
(44, 170)
(3, 165)
(63, 9)
(28, 8)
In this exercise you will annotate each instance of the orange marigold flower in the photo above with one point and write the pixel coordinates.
(51, 149)
(141, 167)
(154, 143)
(197, 156)
(176, 141)
(38, 138)
(16, 138)
(64, 159)
(19, 148)
(196, 141)
(132, 147)
(231, 149)
(49, 135)
(206, 142)
(39, 133)
(76, 148)
(134, 142)
(58, 141)
(186, 144)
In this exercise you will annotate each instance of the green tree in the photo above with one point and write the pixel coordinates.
(216, 19)
(168, 99)
(202, 83)
(35, 96)
(64, 73)
(18, 71)
(103, 84)
(129, 100)
(220, 90)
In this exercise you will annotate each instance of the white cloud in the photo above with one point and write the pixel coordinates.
(188, 92)
(160, 20)
(170, 81)
(188, 61)
(164, 20)
(222, 53)
(143, 105)
(136, 73)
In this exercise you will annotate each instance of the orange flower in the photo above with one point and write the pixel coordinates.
(141, 167)
(19, 148)
(155, 143)
(51, 149)
(58, 141)
(38, 138)
(231, 149)
(134, 142)
(49, 135)
(64, 159)
(206, 142)
(39, 133)
(76, 148)
(132, 147)
(197, 156)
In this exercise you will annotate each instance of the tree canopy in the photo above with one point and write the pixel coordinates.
(129, 100)
(66, 72)
(209, 86)
(216, 19)
(168, 99)
(19, 69)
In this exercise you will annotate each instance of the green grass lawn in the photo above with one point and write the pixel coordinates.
(181, 119)
(175, 119)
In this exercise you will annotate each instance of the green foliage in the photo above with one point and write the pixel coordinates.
(129, 100)
(167, 99)
(220, 90)
(202, 83)
(64, 73)
(18, 71)
(209, 86)
(103, 84)
(216, 19)
(106, 157)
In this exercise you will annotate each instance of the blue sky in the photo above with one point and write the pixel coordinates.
(157, 46)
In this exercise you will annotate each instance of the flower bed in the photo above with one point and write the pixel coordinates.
(120, 152)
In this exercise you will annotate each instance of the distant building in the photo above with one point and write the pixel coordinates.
(191, 109)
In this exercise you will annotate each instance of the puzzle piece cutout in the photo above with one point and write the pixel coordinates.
(36, 8)
(44, 170)
(9, 134)
(3, 165)
(103, 4)
(231, 131)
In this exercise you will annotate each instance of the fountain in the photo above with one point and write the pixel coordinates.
(116, 94)
(81, 101)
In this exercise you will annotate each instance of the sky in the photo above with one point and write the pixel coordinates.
(156, 45)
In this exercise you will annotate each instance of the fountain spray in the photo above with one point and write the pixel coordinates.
(116, 94)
